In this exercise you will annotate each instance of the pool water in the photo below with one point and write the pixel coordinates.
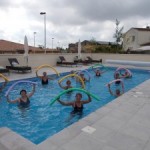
(40, 120)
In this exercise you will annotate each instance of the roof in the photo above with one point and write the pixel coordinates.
(105, 42)
(9, 46)
(145, 44)
(142, 29)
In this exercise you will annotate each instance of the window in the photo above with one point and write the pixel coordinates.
(133, 38)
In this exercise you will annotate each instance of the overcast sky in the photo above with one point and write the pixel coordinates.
(69, 20)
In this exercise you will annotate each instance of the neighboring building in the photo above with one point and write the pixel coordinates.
(135, 38)
(73, 47)
(17, 48)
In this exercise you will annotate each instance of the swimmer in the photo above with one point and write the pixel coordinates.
(117, 76)
(44, 78)
(23, 101)
(126, 75)
(77, 104)
(117, 91)
(68, 85)
(98, 72)
(83, 78)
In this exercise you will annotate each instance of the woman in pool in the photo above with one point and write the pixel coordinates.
(126, 75)
(77, 104)
(68, 85)
(117, 91)
(117, 76)
(84, 78)
(98, 72)
(23, 101)
(44, 78)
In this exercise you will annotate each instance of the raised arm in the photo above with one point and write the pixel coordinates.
(110, 90)
(38, 75)
(63, 87)
(12, 101)
(33, 90)
(87, 101)
(65, 103)
(103, 71)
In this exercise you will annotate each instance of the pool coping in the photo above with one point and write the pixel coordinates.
(120, 125)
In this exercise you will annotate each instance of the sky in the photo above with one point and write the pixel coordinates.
(67, 21)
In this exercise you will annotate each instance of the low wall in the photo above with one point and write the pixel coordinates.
(39, 59)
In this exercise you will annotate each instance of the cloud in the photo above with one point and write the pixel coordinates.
(69, 20)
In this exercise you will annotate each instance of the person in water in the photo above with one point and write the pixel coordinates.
(98, 72)
(84, 78)
(44, 78)
(77, 104)
(68, 85)
(126, 75)
(117, 91)
(23, 101)
(117, 76)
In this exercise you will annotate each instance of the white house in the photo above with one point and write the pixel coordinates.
(135, 38)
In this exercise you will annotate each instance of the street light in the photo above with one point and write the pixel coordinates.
(44, 13)
(34, 38)
(58, 45)
(52, 44)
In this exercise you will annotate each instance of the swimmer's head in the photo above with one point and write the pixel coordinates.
(68, 82)
(78, 96)
(117, 75)
(44, 73)
(23, 92)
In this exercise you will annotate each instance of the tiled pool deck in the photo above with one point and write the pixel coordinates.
(123, 124)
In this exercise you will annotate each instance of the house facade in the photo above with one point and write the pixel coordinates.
(135, 38)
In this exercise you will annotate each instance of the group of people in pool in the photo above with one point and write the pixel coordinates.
(24, 100)
(77, 104)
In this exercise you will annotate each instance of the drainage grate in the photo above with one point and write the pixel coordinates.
(88, 129)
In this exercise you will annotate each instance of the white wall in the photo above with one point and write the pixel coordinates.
(130, 44)
(39, 59)
(141, 37)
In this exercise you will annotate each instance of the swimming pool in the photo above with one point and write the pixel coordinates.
(41, 121)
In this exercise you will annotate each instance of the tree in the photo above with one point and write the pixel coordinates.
(93, 40)
(118, 33)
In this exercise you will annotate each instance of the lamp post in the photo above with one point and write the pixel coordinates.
(44, 13)
(58, 45)
(34, 38)
(52, 44)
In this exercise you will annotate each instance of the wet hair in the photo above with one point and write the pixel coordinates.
(79, 94)
(68, 81)
(23, 91)
(45, 73)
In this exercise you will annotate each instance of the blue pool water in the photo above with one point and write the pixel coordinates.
(40, 121)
